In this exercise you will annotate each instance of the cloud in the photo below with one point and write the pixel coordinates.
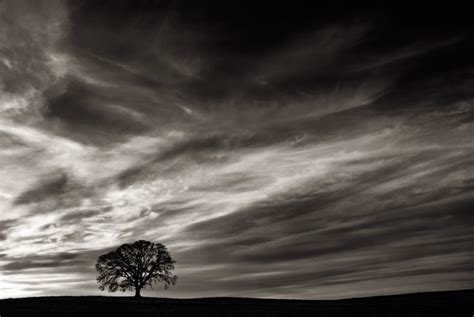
(50, 261)
(56, 186)
(30, 37)
(5, 225)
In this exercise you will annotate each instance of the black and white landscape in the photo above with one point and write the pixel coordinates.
(285, 150)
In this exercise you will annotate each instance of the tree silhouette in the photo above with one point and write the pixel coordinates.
(134, 266)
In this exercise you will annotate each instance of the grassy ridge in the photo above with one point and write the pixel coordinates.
(452, 303)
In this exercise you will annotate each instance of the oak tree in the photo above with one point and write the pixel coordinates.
(134, 266)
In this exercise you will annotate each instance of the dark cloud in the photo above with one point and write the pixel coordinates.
(51, 187)
(50, 261)
(4, 226)
(86, 112)
(79, 215)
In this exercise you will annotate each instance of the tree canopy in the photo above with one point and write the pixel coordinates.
(134, 266)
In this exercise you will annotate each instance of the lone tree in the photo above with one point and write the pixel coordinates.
(133, 266)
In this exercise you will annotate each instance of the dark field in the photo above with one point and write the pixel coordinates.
(453, 303)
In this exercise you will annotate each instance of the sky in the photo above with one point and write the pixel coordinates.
(277, 150)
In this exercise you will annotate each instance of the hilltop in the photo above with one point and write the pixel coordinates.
(450, 303)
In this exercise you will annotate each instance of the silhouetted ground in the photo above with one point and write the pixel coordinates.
(453, 303)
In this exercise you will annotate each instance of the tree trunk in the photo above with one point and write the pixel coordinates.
(137, 292)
